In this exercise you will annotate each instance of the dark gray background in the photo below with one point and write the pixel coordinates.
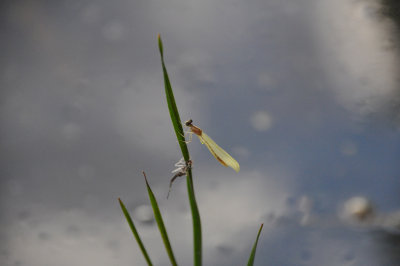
(303, 93)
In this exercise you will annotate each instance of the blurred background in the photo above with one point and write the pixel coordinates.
(303, 93)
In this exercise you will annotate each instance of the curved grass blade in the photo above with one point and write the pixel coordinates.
(134, 231)
(173, 110)
(176, 122)
(160, 223)
(253, 251)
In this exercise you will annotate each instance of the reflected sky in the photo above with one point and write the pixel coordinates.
(303, 93)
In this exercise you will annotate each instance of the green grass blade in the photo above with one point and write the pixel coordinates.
(173, 110)
(160, 223)
(197, 238)
(134, 231)
(176, 122)
(253, 251)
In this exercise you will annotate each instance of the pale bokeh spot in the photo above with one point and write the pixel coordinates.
(265, 81)
(144, 213)
(348, 148)
(261, 121)
(114, 31)
(358, 208)
(71, 131)
(241, 151)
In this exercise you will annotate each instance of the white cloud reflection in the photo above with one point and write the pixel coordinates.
(232, 208)
(357, 45)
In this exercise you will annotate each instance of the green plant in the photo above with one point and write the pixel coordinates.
(197, 237)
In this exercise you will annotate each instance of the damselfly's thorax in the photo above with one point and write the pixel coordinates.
(193, 128)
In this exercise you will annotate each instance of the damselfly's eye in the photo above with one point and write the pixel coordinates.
(189, 122)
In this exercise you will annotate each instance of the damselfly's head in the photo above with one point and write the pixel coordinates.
(189, 123)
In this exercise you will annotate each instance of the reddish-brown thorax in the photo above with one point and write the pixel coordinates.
(196, 130)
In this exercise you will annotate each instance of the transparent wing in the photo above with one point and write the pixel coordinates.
(222, 156)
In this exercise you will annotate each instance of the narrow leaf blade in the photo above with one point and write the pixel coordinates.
(253, 251)
(173, 110)
(160, 223)
(176, 122)
(197, 238)
(135, 233)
